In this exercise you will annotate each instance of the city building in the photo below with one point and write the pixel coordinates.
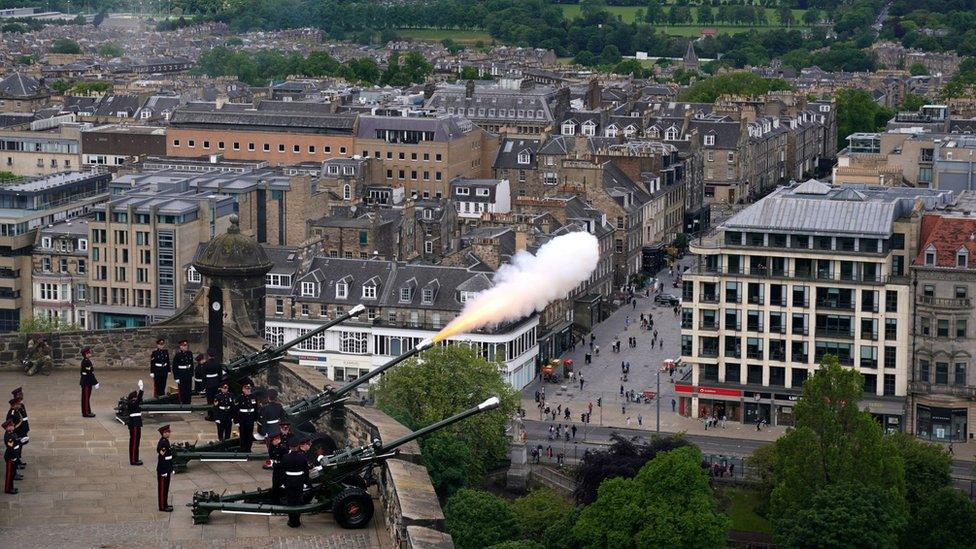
(46, 147)
(807, 271)
(22, 93)
(405, 302)
(511, 107)
(111, 146)
(27, 205)
(59, 272)
(474, 197)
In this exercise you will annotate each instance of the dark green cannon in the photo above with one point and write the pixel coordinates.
(337, 485)
(235, 372)
(301, 414)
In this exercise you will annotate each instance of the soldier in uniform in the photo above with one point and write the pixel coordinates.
(88, 382)
(246, 411)
(135, 425)
(223, 411)
(271, 414)
(159, 368)
(295, 467)
(198, 373)
(164, 469)
(211, 380)
(23, 431)
(11, 456)
(183, 371)
(286, 434)
(275, 452)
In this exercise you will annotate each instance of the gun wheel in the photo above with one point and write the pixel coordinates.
(353, 508)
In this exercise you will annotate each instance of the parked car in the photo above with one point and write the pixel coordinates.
(667, 299)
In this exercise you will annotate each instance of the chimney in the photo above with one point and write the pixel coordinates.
(469, 89)
(428, 90)
(521, 238)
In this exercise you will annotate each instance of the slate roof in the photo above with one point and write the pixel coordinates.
(17, 85)
(111, 105)
(445, 127)
(200, 114)
(508, 152)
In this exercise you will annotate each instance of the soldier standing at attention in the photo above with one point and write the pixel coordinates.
(164, 469)
(135, 425)
(11, 456)
(295, 467)
(271, 414)
(88, 382)
(275, 446)
(246, 412)
(183, 371)
(159, 368)
(24, 429)
(198, 373)
(211, 376)
(223, 411)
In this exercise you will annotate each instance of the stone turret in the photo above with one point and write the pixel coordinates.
(691, 58)
(234, 268)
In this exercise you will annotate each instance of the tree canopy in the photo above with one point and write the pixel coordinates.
(477, 519)
(858, 112)
(735, 83)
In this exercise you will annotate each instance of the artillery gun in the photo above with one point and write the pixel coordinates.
(337, 485)
(235, 372)
(301, 414)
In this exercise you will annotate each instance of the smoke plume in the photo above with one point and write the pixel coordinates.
(529, 283)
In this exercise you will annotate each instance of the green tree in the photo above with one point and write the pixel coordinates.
(668, 504)
(811, 17)
(477, 519)
(706, 15)
(518, 544)
(559, 535)
(41, 324)
(610, 55)
(833, 443)
(65, 45)
(451, 463)
(631, 67)
(364, 70)
(944, 518)
(108, 49)
(737, 83)
(918, 69)
(785, 16)
(468, 73)
(843, 515)
(858, 112)
(61, 86)
(445, 381)
(538, 510)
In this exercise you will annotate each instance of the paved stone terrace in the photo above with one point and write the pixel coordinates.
(80, 491)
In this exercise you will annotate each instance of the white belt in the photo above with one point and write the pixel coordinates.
(183, 367)
(137, 414)
(160, 364)
(223, 407)
(294, 473)
(168, 457)
(212, 375)
(272, 421)
(246, 410)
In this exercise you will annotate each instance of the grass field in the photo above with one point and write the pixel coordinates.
(628, 13)
(740, 506)
(436, 35)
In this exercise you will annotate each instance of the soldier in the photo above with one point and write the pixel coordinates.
(164, 469)
(183, 371)
(295, 467)
(11, 456)
(275, 451)
(159, 368)
(271, 414)
(223, 406)
(286, 434)
(211, 380)
(246, 412)
(135, 425)
(23, 431)
(198, 373)
(88, 382)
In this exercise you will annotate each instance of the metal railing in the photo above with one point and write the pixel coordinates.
(946, 302)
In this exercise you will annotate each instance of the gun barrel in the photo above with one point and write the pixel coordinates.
(280, 349)
(349, 387)
(489, 404)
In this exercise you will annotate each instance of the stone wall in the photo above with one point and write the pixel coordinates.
(112, 349)
(414, 518)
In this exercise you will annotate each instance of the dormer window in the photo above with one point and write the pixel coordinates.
(671, 134)
(342, 290)
(630, 131)
(524, 157)
(930, 255)
(333, 169)
(82, 244)
(655, 133)
(962, 258)
(311, 289)
(589, 128)
(569, 128)
(428, 213)
(611, 131)
(369, 291)
(192, 275)
(46, 242)
(428, 296)
(709, 140)
(482, 192)
(405, 294)
(463, 191)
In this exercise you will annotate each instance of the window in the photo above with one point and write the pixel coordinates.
(176, 142)
(192, 275)
(304, 309)
(310, 289)
(342, 290)
(959, 374)
(942, 373)
(279, 306)
(354, 342)
(405, 294)
(961, 328)
(962, 258)
(930, 255)
(369, 291)
(709, 140)
(277, 280)
(923, 370)
(427, 296)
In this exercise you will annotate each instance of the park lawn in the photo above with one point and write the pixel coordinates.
(740, 505)
(629, 13)
(436, 35)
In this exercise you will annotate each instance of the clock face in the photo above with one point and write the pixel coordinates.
(215, 305)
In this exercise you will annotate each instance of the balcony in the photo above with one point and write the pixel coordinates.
(835, 305)
(835, 333)
(799, 274)
(706, 325)
(944, 302)
(924, 387)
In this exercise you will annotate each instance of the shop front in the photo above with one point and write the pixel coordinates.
(941, 424)
(702, 402)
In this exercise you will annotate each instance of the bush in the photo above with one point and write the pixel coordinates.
(477, 519)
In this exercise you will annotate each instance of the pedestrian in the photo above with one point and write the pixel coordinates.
(674, 405)
(183, 371)
(573, 429)
(159, 367)
(758, 423)
(622, 370)
(596, 350)
(640, 420)
(731, 469)
(950, 449)
(559, 409)
(705, 421)
(11, 456)
(223, 405)
(88, 382)
(566, 413)
(581, 381)
(587, 358)
(661, 344)
(295, 466)
(633, 302)
(537, 395)
(164, 469)
(245, 413)
(589, 407)
(628, 422)
(135, 424)
(723, 421)
(621, 390)
(623, 409)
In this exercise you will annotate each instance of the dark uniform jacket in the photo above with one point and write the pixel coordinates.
(11, 445)
(183, 365)
(224, 404)
(164, 457)
(246, 410)
(16, 416)
(295, 468)
(88, 373)
(24, 426)
(159, 362)
(211, 374)
(271, 415)
(135, 410)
